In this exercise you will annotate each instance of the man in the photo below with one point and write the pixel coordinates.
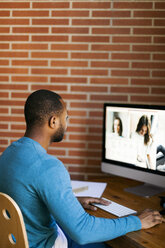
(40, 185)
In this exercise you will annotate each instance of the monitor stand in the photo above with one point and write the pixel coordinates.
(145, 190)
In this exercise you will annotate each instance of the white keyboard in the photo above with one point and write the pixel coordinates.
(116, 209)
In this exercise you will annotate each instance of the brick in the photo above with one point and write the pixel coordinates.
(2, 149)
(19, 94)
(84, 137)
(131, 56)
(132, 5)
(69, 47)
(89, 72)
(30, 79)
(132, 22)
(130, 73)
(94, 162)
(27, 46)
(77, 113)
(70, 13)
(129, 90)
(159, 57)
(29, 63)
(14, 87)
(159, 39)
(50, 5)
(9, 54)
(147, 99)
(14, 5)
(8, 21)
(14, 38)
(150, 81)
(96, 130)
(4, 30)
(110, 64)
(30, 13)
(104, 47)
(61, 63)
(70, 30)
(114, 13)
(49, 71)
(72, 161)
(118, 81)
(85, 121)
(50, 21)
(149, 65)
(65, 144)
(159, 22)
(49, 87)
(96, 114)
(13, 70)
(89, 5)
(85, 153)
(158, 91)
(148, 48)
(76, 129)
(88, 89)
(4, 142)
(18, 127)
(17, 111)
(115, 98)
(158, 74)
(90, 39)
(30, 30)
(4, 13)
(86, 105)
(68, 80)
(56, 152)
(11, 103)
(88, 55)
(160, 5)
(49, 38)
(90, 22)
(4, 62)
(149, 31)
(4, 79)
(59, 55)
(4, 46)
(111, 30)
(4, 94)
(11, 134)
(85, 169)
(131, 39)
(4, 110)
(71, 96)
(151, 14)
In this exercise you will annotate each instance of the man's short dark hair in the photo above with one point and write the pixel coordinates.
(40, 106)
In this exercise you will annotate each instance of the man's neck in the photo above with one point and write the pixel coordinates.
(38, 136)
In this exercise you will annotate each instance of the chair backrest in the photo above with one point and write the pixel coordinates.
(12, 227)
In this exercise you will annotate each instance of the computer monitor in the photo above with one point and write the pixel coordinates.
(134, 145)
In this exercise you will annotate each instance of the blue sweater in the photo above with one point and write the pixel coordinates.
(40, 185)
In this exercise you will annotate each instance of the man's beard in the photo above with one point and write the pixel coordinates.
(59, 135)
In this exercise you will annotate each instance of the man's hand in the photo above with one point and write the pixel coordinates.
(86, 202)
(150, 218)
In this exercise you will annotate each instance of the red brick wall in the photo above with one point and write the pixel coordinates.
(87, 51)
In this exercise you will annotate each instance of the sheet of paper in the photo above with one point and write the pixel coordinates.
(83, 188)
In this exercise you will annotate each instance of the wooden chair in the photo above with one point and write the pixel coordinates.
(12, 227)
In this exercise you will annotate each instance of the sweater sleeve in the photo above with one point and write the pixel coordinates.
(55, 190)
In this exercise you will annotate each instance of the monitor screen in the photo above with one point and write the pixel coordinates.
(134, 142)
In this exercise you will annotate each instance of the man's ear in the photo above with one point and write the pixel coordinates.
(53, 122)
